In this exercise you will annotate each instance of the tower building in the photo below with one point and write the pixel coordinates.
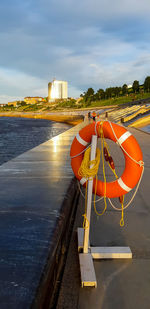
(57, 89)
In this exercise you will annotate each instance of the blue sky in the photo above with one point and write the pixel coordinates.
(89, 43)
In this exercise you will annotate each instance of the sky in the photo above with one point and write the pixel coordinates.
(89, 43)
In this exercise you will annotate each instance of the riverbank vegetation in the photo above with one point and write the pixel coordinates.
(90, 99)
(117, 95)
(72, 104)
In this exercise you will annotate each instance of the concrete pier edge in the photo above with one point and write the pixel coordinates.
(48, 289)
(38, 198)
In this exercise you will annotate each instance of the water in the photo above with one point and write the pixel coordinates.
(18, 135)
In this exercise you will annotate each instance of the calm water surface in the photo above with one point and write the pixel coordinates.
(18, 135)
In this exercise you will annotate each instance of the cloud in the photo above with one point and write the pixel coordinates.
(86, 12)
(7, 98)
(88, 43)
(20, 85)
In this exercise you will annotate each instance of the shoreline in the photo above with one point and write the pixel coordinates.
(70, 117)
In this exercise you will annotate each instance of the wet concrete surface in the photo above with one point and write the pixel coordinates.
(35, 204)
(120, 283)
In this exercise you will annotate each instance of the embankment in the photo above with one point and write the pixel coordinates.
(70, 119)
(142, 122)
(130, 113)
(76, 117)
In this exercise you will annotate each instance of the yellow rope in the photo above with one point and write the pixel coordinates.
(85, 222)
(114, 172)
(107, 147)
(89, 170)
(122, 214)
(102, 145)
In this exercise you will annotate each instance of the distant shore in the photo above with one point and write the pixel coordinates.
(69, 119)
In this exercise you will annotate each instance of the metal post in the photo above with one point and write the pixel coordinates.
(89, 197)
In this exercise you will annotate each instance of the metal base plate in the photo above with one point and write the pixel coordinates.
(88, 277)
(111, 253)
(104, 252)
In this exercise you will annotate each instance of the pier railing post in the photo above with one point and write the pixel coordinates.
(89, 197)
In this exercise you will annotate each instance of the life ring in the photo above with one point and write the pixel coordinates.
(131, 150)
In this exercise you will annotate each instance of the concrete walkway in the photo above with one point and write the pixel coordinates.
(35, 212)
(122, 283)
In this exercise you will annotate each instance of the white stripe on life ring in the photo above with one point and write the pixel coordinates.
(82, 181)
(123, 185)
(81, 140)
(123, 137)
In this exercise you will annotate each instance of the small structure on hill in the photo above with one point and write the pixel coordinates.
(33, 100)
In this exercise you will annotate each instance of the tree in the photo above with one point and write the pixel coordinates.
(136, 86)
(90, 92)
(147, 84)
(100, 94)
(124, 89)
(87, 102)
(88, 96)
(108, 92)
(116, 91)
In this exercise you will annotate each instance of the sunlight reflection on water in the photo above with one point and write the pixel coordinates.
(18, 135)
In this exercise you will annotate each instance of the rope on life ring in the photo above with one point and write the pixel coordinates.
(134, 165)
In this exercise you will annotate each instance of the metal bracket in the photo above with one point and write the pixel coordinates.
(88, 277)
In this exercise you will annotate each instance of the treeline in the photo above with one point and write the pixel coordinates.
(115, 92)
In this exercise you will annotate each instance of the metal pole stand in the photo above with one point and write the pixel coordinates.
(88, 277)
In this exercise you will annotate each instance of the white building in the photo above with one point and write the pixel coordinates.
(57, 89)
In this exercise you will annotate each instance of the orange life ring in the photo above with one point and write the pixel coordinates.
(133, 157)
